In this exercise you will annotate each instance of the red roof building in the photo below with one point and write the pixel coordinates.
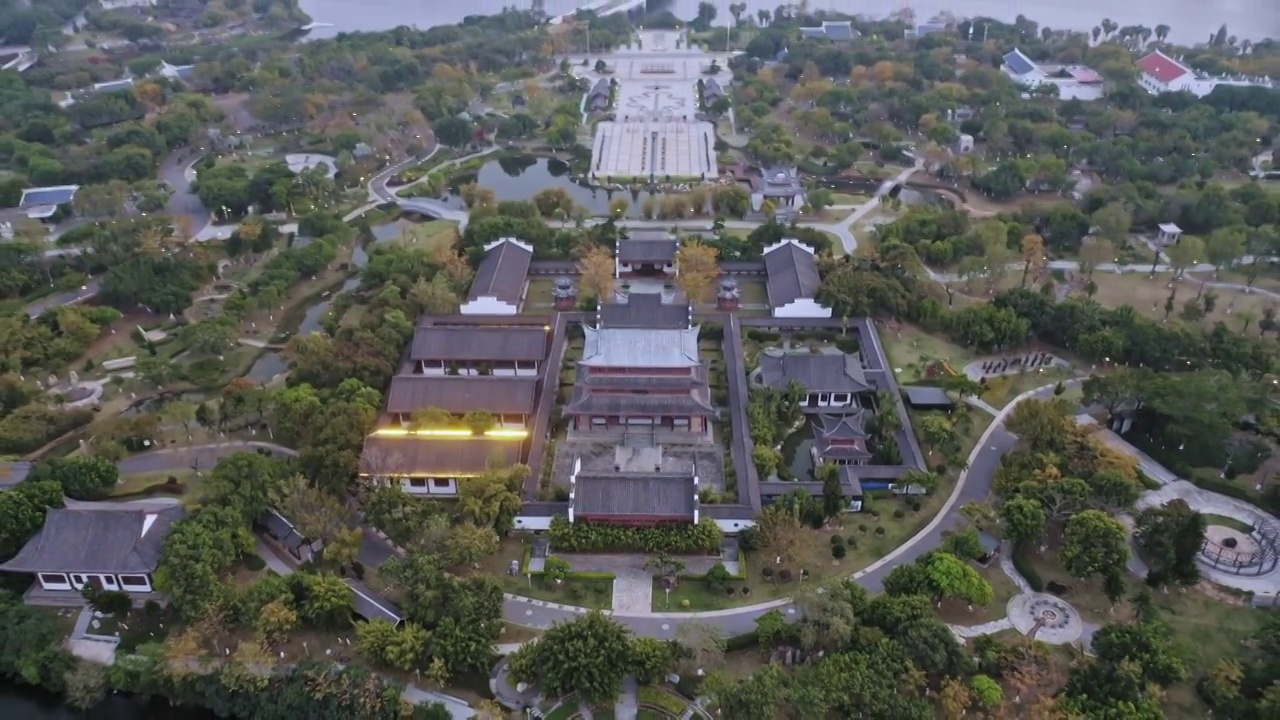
(1163, 71)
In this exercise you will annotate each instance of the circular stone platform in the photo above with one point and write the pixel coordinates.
(1053, 619)
(1241, 552)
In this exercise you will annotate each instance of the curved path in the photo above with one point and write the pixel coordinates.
(198, 457)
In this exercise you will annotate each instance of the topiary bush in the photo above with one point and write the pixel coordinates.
(880, 531)
(899, 513)
(838, 552)
(836, 540)
(767, 572)
(784, 575)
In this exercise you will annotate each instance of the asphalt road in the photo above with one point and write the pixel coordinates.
(88, 290)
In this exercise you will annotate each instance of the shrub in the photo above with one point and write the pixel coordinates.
(730, 591)
(838, 552)
(899, 513)
(767, 572)
(254, 563)
(684, 603)
(879, 530)
(1022, 563)
(676, 539)
(784, 574)
(718, 576)
(915, 506)
(862, 528)
(836, 540)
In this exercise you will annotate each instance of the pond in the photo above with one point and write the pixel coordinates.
(520, 177)
(907, 194)
(797, 453)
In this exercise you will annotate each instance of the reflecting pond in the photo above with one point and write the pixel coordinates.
(797, 452)
(520, 177)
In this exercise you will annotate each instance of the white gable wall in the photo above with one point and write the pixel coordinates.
(802, 308)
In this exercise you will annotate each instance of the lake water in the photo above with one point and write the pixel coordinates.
(1191, 20)
(522, 177)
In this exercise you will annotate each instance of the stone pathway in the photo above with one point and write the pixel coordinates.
(628, 705)
(981, 404)
(632, 592)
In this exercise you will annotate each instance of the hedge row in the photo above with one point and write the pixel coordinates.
(1022, 563)
(675, 539)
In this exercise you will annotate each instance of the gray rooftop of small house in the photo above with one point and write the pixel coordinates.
(792, 274)
(586, 402)
(712, 90)
(654, 495)
(107, 538)
(640, 347)
(372, 606)
(40, 196)
(831, 30)
(464, 343)
(111, 86)
(650, 250)
(458, 394)
(816, 372)
(601, 88)
(926, 396)
(849, 478)
(502, 273)
(644, 310)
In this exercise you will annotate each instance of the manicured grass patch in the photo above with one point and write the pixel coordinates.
(912, 350)
(428, 235)
(596, 593)
(647, 714)
(563, 711)
(1001, 390)
(663, 700)
(1147, 297)
(171, 482)
(1225, 521)
(538, 298)
(847, 199)
(753, 292)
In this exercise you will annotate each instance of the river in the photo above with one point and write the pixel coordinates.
(24, 703)
(1191, 20)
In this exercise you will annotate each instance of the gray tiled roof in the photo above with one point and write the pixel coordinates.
(652, 495)
(817, 372)
(849, 478)
(651, 251)
(586, 402)
(924, 396)
(35, 197)
(644, 310)
(440, 457)
(502, 273)
(601, 88)
(842, 427)
(478, 344)
(108, 538)
(640, 348)
(792, 273)
(462, 393)
(372, 606)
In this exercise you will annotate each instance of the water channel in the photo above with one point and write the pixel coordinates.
(271, 364)
(520, 177)
(1191, 20)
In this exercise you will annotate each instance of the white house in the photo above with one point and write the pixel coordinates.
(1159, 73)
(1074, 82)
(120, 4)
(111, 546)
(793, 280)
(498, 288)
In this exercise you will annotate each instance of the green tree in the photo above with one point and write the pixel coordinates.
(590, 656)
(328, 602)
(651, 659)
(467, 543)
(834, 501)
(1023, 519)
(1094, 543)
(951, 577)
(82, 478)
(248, 482)
(86, 685)
(1171, 537)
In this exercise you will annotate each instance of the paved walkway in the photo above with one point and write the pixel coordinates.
(628, 705)
(632, 593)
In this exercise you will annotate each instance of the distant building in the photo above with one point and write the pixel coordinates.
(42, 202)
(836, 30)
(644, 310)
(598, 97)
(498, 287)
(646, 253)
(1159, 73)
(639, 499)
(782, 186)
(182, 73)
(121, 4)
(711, 91)
(1074, 82)
(793, 280)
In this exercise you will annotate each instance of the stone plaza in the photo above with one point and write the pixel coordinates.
(655, 133)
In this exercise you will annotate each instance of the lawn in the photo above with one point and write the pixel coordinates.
(136, 484)
(1147, 296)
(1211, 519)
(865, 544)
(595, 593)
(911, 350)
(538, 298)
(847, 199)
(428, 235)
(1001, 390)
(753, 292)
